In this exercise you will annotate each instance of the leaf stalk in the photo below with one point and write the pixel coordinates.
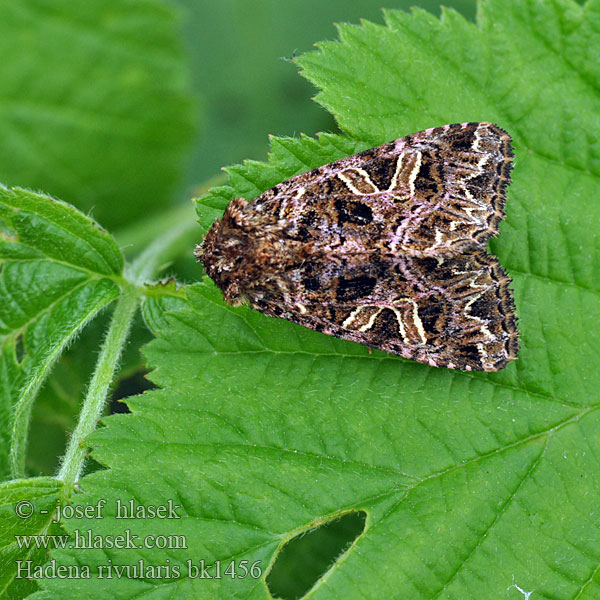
(97, 393)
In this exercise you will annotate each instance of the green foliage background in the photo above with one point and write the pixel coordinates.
(473, 485)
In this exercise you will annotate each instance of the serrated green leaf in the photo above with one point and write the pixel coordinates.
(97, 108)
(35, 495)
(57, 270)
(474, 485)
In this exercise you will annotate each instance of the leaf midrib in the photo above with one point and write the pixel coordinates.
(97, 251)
(118, 279)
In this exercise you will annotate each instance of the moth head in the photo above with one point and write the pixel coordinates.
(223, 252)
(244, 255)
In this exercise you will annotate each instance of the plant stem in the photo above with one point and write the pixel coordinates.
(93, 404)
(136, 274)
(161, 250)
(137, 236)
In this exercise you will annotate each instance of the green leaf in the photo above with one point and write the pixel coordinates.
(168, 299)
(57, 270)
(35, 495)
(97, 108)
(475, 485)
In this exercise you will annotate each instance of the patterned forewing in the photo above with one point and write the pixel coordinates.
(438, 192)
(456, 313)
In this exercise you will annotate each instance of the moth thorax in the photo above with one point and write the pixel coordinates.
(221, 256)
(233, 254)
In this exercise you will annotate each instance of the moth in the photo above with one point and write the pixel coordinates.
(386, 248)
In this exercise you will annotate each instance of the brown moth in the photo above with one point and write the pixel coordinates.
(386, 248)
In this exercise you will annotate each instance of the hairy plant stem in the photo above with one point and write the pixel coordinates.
(93, 404)
(137, 274)
(162, 249)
